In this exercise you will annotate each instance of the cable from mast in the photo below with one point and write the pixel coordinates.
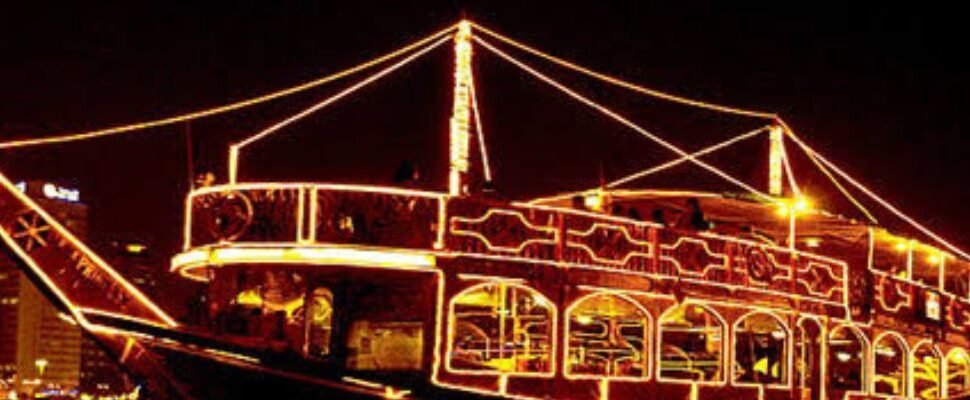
(625, 84)
(139, 126)
(622, 120)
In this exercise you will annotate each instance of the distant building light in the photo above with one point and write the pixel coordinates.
(933, 310)
(135, 248)
(52, 191)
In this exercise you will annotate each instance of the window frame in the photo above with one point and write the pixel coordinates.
(658, 349)
(890, 335)
(553, 332)
(649, 331)
(789, 350)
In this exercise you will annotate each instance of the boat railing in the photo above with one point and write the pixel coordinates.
(262, 214)
(265, 213)
(578, 239)
(906, 299)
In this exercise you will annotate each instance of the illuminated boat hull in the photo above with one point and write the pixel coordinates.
(525, 301)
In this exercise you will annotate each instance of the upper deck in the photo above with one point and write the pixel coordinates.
(367, 226)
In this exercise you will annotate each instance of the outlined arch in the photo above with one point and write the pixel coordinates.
(836, 357)
(956, 379)
(879, 385)
(722, 329)
(504, 287)
(645, 348)
(924, 373)
(785, 368)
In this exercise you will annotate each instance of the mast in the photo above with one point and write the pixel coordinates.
(775, 160)
(459, 134)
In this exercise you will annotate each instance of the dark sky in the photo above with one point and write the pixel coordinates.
(880, 89)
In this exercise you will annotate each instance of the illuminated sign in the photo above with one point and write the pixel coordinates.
(52, 191)
(933, 306)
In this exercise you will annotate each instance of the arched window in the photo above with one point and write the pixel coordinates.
(608, 336)
(957, 373)
(501, 328)
(889, 361)
(691, 344)
(761, 350)
(926, 371)
(847, 350)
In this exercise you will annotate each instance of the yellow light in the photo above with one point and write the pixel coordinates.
(782, 209)
(901, 246)
(813, 242)
(135, 248)
(309, 255)
(249, 298)
(798, 205)
(584, 319)
(593, 202)
(934, 259)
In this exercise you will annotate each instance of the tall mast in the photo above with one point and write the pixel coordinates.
(460, 113)
(775, 160)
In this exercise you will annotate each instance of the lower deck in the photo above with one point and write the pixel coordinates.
(489, 328)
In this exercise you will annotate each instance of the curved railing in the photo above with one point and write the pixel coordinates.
(358, 216)
(311, 213)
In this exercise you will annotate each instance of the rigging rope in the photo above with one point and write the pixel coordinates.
(659, 168)
(622, 83)
(227, 107)
(481, 133)
(683, 159)
(835, 182)
(796, 191)
(235, 148)
(620, 119)
(812, 153)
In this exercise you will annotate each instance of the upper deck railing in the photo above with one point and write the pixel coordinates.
(294, 215)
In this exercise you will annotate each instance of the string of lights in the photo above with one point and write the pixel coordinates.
(619, 118)
(236, 148)
(139, 126)
(483, 149)
(786, 162)
(862, 188)
(683, 159)
(622, 83)
(660, 167)
(838, 185)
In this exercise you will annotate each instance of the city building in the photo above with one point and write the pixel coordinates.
(41, 348)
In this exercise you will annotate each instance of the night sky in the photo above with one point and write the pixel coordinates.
(880, 90)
